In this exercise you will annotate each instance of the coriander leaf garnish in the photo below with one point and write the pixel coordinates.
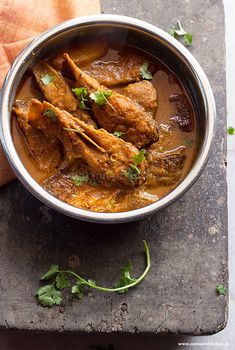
(118, 133)
(231, 130)
(221, 289)
(47, 79)
(52, 272)
(82, 95)
(144, 72)
(139, 158)
(100, 97)
(125, 278)
(79, 180)
(61, 281)
(133, 171)
(50, 114)
(80, 92)
(178, 31)
(50, 295)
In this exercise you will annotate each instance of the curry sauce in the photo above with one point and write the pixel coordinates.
(103, 127)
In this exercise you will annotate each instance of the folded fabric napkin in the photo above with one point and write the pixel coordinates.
(20, 22)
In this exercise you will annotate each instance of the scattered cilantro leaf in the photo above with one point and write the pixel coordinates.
(48, 295)
(78, 289)
(80, 180)
(221, 289)
(80, 92)
(178, 31)
(100, 97)
(47, 79)
(82, 95)
(144, 72)
(61, 281)
(139, 158)
(52, 272)
(133, 171)
(118, 134)
(50, 114)
(231, 130)
(125, 278)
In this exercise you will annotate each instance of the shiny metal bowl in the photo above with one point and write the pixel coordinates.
(145, 36)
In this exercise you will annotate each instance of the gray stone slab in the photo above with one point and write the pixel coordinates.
(188, 240)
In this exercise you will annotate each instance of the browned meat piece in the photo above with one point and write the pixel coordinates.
(92, 197)
(45, 150)
(144, 93)
(107, 156)
(83, 53)
(54, 87)
(120, 113)
(165, 169)
(184, 117)
(85, 117)
(123, 71)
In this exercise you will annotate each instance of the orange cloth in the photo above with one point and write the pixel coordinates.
(20, 21)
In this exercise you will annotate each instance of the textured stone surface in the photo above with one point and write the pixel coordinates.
(188, 240)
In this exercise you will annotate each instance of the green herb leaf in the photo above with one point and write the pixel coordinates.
(178, 31)
(79, 180)
(100, 97)
(80, 92)
(47, 79)
(48, 295)
(125, 278)
(118, 134)
(52, 272)
(139, 158)
(144, 72)
(50, 114)
(61, 281)
(221, 289)
(231, 130)
(82, 95)
(132, 172)
(78, 289)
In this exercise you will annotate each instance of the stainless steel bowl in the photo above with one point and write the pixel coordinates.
(146, 36)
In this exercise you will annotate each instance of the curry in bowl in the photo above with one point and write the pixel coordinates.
(104, 126)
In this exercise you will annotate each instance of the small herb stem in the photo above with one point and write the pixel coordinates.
(148, 264)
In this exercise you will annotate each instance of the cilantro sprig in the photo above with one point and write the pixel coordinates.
(50, 294)
(133, 171)
(118, 134)
(231, 130)
(47, 79)
(144, 72)
(50, 114)
(82, 95)
(100, 97)
(178, 31)
(221, 289)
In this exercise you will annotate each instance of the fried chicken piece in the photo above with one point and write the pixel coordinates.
(120, 113)
(107, 156)
(54, 87)
(44, 149)
(89, 196)
(143, 93)
(125, 70)
(83, 53)
(165, 169)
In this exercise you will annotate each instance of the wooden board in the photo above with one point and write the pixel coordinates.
(188, 240)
